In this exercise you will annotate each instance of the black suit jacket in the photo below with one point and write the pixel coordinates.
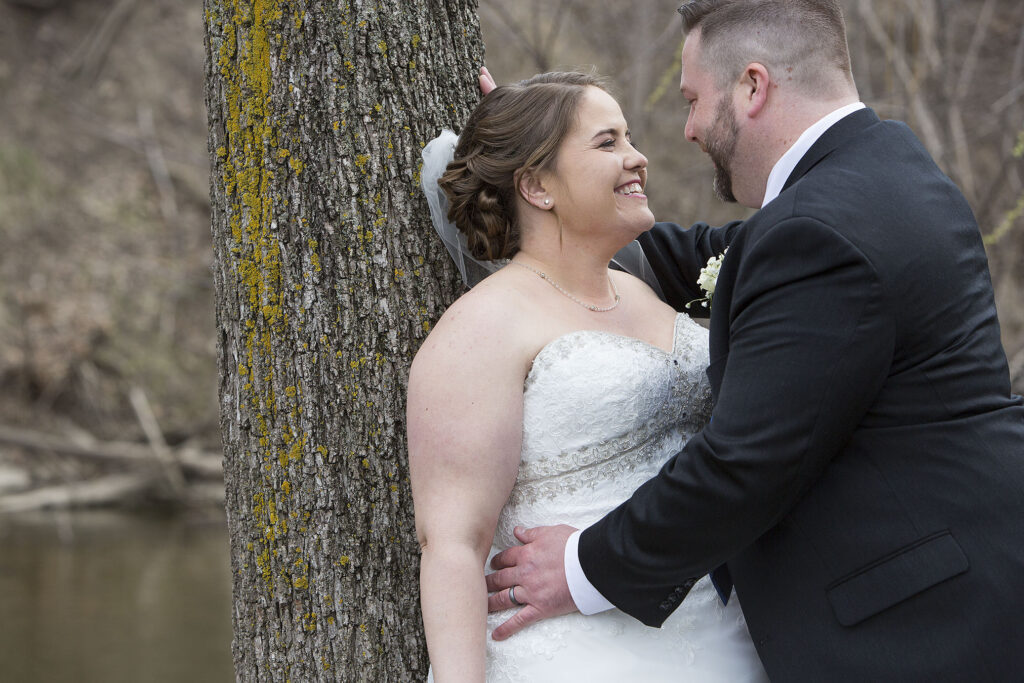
(862, 476)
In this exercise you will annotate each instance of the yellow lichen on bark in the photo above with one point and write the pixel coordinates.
(319, 253)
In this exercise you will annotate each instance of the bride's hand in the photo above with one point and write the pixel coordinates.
(487, 82)
(536, 570)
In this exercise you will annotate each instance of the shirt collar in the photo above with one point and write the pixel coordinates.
(784, 166)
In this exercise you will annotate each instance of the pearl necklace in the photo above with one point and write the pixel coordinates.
(595, 309)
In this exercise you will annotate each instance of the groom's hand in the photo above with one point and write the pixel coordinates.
(536, 570)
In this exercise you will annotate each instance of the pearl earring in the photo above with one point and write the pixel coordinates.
(546, 202)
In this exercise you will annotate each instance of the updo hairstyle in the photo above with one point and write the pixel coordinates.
(514, 129)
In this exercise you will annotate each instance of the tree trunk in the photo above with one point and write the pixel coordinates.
(327, 277)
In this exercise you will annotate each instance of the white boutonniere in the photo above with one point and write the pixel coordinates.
(708, 278)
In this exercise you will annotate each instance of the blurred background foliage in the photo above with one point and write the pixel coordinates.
(104, 228)
(105, 283)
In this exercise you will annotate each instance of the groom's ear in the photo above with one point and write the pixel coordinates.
(753, 88)
(531, 189)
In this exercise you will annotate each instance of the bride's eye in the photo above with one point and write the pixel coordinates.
(607, 143)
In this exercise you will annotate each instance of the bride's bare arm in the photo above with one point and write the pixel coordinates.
(465, 434)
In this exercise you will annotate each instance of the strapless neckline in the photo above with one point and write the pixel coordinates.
(569, 337)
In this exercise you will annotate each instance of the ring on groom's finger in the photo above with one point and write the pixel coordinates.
(512, 597)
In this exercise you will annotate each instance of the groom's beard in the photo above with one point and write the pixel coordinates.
(720, 145)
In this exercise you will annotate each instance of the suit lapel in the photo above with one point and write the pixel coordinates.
(838, 135)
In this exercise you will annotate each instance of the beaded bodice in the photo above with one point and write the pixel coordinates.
(601, 414)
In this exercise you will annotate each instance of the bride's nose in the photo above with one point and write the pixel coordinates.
(635, 160)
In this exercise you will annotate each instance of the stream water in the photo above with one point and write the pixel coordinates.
(105, 596)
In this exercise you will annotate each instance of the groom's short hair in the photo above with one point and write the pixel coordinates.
(802, 41)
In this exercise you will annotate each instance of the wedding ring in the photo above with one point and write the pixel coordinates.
(512, 597)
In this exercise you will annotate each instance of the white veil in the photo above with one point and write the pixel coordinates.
(631, 258)
(436, 156)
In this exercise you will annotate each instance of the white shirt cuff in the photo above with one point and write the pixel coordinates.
(587, 598)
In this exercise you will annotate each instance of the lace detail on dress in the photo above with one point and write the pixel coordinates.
(686, 639)
(601, 414)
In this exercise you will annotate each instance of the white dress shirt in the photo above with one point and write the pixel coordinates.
(785, 165)
(587, 598)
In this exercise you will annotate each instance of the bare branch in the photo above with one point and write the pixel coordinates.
(970, 63)
(168, 464)
(157, 165)
(103, 491)
(556, 26)
(193, 462)
(87, 60)
(500, 15)
(928, 128)
(961, 151)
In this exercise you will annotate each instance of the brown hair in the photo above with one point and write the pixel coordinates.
(514, 130)
(803, 39)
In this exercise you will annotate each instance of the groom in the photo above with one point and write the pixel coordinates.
(861, 482)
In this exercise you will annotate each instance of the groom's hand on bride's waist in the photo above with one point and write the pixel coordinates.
(536, 573)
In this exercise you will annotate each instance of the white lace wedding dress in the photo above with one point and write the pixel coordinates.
(602, 413)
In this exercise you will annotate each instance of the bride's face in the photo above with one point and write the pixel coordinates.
(598, 181)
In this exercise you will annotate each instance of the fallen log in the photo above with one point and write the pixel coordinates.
(193, 462)
(114, 488)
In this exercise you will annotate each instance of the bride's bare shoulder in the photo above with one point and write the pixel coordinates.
(486, 324)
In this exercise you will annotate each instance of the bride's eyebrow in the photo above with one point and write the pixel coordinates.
(610, 131)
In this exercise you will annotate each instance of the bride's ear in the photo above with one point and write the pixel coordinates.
(531, 189)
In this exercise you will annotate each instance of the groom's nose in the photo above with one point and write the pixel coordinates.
(689, 129)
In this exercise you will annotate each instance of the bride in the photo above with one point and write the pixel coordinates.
(550, 391)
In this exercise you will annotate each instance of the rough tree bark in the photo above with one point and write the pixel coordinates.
(327, 279)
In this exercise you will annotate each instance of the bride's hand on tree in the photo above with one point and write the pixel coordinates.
(487, 83)
(536, 570)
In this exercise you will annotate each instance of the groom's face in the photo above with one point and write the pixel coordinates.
(710, 121)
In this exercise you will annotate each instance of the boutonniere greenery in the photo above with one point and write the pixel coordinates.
(708, 278)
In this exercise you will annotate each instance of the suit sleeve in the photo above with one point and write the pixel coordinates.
(677, 254)
(810, 345)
